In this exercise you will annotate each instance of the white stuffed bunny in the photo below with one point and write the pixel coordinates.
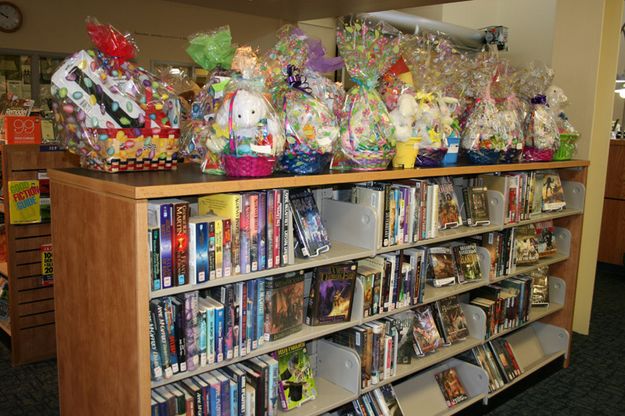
(404, 117)
(255, 125)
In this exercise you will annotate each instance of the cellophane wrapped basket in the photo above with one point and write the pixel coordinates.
(482, 141)
(367, 135)
(247, 123)
(310, 127)
(509, 112)
(542, 137)
(214, 52)
(432, 60)
(568, 134)
(115, 115)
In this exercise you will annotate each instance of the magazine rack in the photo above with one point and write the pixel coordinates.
(121, 364)
(31, 297)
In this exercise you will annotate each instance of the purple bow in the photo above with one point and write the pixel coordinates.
(296, 80)
(539, 99)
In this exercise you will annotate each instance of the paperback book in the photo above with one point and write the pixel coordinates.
(284, 305)
(331, 294)
(448, 207)
(451, 387)
(453, 321)
(297, 384)
(552, 192)
(425, 333)
(441, 266)
(476, 203)
(467, 262)
(312, 236)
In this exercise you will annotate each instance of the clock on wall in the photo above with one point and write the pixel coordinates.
(10, 17)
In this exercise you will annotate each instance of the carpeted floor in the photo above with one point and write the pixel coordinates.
(593, 384)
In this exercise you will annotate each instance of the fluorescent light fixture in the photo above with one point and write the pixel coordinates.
(175, 71)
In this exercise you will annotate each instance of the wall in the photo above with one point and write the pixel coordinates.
(58, 26)
(590, 93)
(619, 103)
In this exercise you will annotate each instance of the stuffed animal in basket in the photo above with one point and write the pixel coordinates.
(254, 126)
(404, 117)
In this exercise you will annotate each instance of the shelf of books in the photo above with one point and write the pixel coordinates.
(338, 291)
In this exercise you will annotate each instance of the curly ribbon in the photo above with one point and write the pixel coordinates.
(539, 99)
(296, 80)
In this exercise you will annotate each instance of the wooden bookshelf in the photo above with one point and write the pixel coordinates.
(99, 237)
(31, 302)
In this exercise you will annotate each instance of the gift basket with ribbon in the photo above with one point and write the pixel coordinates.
(369, 47)
(310, 127)
(542, 137)
(114, 114)
(247, 122)
(214, 52)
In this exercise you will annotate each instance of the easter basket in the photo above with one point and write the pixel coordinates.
(240, 164)
(130, 150)
(114, 114)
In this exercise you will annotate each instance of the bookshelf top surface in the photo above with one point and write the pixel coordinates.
(188, 180)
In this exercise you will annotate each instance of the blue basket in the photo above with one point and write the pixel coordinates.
(304, 163)
(483, 156)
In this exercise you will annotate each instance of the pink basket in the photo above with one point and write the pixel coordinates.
(248, 166)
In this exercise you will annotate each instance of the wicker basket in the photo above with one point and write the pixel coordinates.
(131, 149)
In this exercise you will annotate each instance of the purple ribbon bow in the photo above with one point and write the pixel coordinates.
(296, 80)
(539, 99)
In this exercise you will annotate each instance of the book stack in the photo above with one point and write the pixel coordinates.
(393, 280)
(398, 339)
(228, 234)
(381, 401)
(506, 304)
(252, 387)
(198, 329)
(527, 193)
(497, 358)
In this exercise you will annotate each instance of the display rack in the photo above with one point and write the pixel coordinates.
(101, 251)
(31, 300)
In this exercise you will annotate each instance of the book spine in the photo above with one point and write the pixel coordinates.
(232, 329)
(252, 298)
(254, 242)
(245, 348)
(310, 302)
(219, 245)
(227, 247)
(262, 230)
(155, 358)
(210, 338)
(166, 245)
(270, 228)
(219, 333)
(272, 409)
(201, 254)
(260, 315)
(191, 338)
(386, 218)
(435, 209)
(277, 225)
(170, 334)
(193, 254)
(212, 257)
(285, 232)
(245, 234)
(203, 339)
(179, 327)
(155, 257)
(181, 252)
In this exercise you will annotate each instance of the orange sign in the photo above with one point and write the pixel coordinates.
(22, 130)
